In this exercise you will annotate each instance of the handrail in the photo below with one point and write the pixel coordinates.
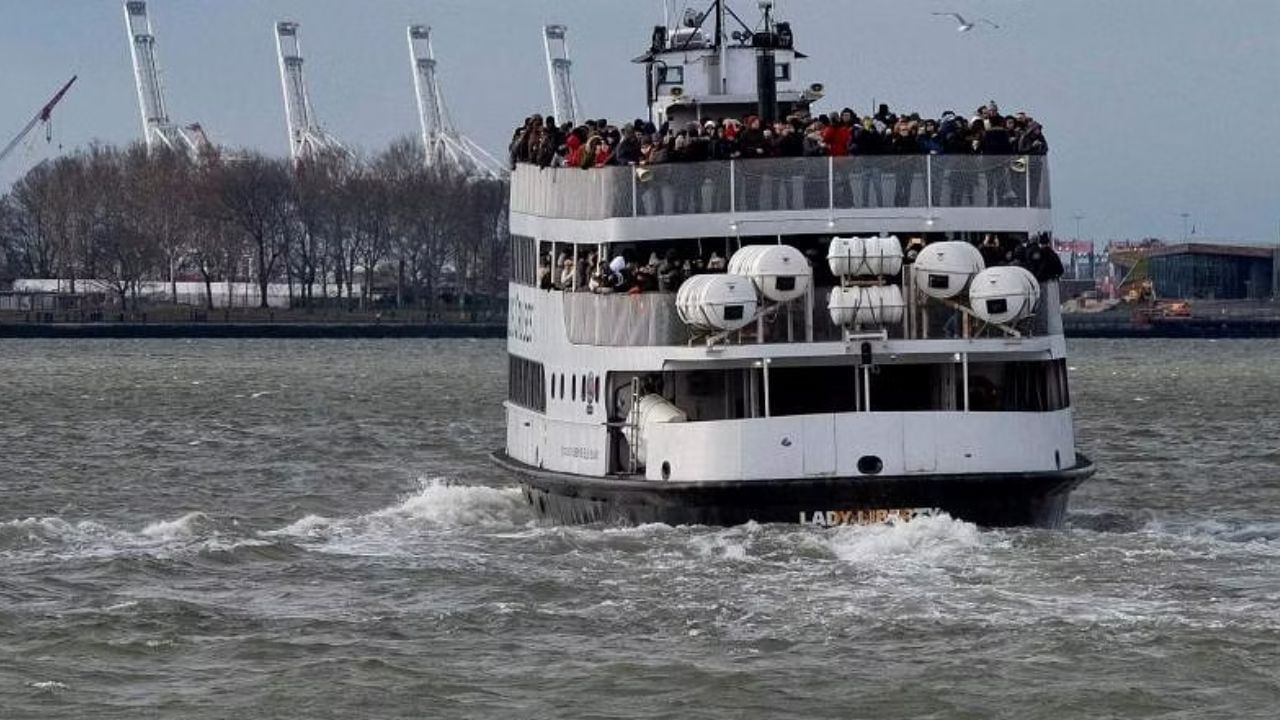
(765, 185)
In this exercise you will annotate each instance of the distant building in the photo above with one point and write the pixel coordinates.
(1214, 272)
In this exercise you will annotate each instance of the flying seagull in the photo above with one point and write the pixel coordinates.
(965, 25)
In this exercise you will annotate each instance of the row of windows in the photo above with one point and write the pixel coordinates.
(1029, 386)
(585, 387)
(526, 383)
(674, 75)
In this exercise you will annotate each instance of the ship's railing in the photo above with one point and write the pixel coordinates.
(624, 320)
(817, 183)
(651, 319)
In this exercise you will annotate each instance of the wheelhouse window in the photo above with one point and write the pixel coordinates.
(671, 75)
(782, 72)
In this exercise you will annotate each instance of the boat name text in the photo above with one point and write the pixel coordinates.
(831, 518)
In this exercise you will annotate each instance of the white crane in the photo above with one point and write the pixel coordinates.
(306, 138)
(564, 98)
(445, 147)
(43, 116)
(157, 129)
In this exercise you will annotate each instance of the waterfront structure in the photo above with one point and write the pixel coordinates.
(857, 362)
(1214, 272)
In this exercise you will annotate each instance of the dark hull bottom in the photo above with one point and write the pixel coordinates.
(990, 500)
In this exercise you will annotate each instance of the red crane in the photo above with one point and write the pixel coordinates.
(41, 117)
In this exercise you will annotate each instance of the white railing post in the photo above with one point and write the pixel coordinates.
(928, 181)
(1027, 180)
(831, 183)
(733, 188)
(768, 406)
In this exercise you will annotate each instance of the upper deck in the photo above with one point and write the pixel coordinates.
(858, 194)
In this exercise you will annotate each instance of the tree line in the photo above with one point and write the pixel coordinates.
(329, 227)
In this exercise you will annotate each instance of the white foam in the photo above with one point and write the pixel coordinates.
(307, 526)
(439, 504)
(436, 506)
(48, 685)
(926, 540)
(184, 527)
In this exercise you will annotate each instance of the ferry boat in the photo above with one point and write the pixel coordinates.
(860, 361)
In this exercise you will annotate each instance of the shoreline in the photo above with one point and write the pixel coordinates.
(352, 331)
(1093, 328)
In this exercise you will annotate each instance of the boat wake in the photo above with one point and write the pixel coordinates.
(437, 506)
(59, 538)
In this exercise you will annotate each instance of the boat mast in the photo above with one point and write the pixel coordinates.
(722, 47)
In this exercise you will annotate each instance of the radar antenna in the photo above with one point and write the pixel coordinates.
(445, 146)
(564, 98)
(306, 138)
(157, 128)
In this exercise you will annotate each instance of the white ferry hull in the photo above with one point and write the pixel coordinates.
(1035, 499)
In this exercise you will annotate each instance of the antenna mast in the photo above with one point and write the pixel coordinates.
(306, 138)
(564, 98)
(157, 128)
(445, 147)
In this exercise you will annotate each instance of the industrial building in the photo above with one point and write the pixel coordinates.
(1214, 272)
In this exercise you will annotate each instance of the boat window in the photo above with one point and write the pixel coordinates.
(574, 385)
(782, 71)
(1019, 387)
(526, 383)
(1026, 386)
(523, 260)
(671, 75)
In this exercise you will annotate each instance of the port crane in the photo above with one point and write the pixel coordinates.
(157, 129)
(445, 147)
(564, 96)
(42, 117)
(307, 139)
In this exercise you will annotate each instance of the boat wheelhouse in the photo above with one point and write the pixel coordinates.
(846, 339)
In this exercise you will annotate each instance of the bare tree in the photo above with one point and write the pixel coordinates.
(255, 191)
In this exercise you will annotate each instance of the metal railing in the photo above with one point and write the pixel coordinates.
(650, 319)
(816, 183)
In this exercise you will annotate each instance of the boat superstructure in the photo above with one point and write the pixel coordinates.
(844, 341)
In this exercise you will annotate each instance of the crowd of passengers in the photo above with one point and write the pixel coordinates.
(598, 143)
(625, 273)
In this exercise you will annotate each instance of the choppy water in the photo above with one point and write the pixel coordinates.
(256, 529)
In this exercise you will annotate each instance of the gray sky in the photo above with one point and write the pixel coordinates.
(1152, 107)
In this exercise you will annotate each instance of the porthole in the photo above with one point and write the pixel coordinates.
(870, 465)
(666, 470)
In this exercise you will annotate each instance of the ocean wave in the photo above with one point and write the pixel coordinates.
(437, 505)
(183, 528)
(1263, 535)
(60, 538)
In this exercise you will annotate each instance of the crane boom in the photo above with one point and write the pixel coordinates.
(42, 116)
